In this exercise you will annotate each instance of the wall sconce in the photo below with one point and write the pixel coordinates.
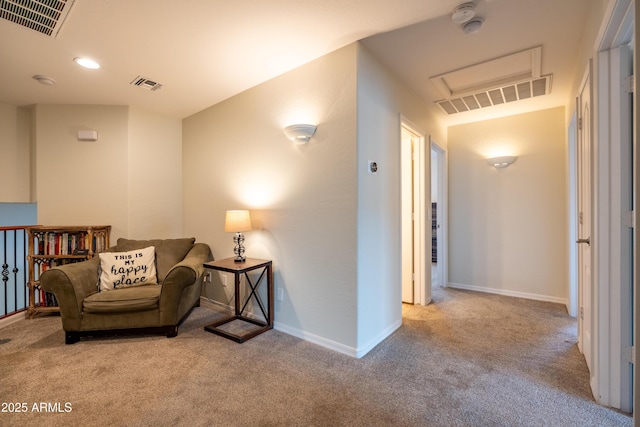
(237, 222)
(501, 162)
(300, 134)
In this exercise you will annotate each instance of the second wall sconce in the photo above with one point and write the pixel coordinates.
(300, 134)
(501, 162)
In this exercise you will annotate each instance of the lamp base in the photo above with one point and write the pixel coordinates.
(238, 250)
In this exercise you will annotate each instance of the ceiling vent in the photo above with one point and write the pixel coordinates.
(496, 96)
(145, 83)
(509, 78)
(43, 16)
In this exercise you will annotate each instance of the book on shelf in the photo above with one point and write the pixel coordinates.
(51, 246)
(46, 299)
(65, 243)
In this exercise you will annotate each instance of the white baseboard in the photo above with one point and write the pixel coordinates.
(377, 340)
(10, 320)
(332, 345)
(315, 339)
(336, 346)
(510, 293)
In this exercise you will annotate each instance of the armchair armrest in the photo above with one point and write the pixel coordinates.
(71, 284)
(182, 277)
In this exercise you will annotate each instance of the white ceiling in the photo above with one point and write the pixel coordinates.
(204, 51)
(428, 49)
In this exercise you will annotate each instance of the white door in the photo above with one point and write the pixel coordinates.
(416, 284)
(407, 216)
(585, 288)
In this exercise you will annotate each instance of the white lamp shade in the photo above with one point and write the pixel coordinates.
(237, 221)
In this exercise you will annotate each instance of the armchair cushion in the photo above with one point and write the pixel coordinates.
(125, 269)
(137, 298)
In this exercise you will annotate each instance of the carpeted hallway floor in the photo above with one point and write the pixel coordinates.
(469, 359)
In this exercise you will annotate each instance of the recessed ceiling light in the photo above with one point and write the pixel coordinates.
(87, 63)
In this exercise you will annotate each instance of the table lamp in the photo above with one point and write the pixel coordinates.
(238, 221)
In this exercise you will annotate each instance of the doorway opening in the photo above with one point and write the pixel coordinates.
(438, 217)
(416, 218)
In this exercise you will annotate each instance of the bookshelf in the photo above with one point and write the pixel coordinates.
(50, 246)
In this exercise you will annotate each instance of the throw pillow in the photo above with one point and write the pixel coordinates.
(126, 269)
(169, 252)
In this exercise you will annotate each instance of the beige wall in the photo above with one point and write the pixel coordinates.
(15, 152)
(118, 180)
(382, 103)
(587, 49)
(78, 182)
(155, 176)
(302, 198)
(509, 227)
(331, 228)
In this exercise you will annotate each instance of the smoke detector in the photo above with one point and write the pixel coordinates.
(473, 26)
(463, 13)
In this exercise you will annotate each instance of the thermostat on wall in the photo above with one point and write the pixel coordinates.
(373, 166)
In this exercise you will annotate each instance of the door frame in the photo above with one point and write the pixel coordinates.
(573, 303)
(586, 223)
(611, 376)
(422, 215)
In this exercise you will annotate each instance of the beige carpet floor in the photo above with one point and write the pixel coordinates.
(469, 359)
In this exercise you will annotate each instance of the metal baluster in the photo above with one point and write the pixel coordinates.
(25, 292)
(15, 270)
(5, 271)
(10, 264)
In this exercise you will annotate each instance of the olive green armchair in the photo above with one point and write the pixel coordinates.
(151, 308)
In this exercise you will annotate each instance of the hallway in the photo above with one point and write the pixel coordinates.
(515, 356)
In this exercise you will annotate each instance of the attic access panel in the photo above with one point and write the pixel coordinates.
(506, 79)
(43, 16)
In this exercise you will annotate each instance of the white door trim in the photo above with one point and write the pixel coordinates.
(572, 302)
(587, 224)
(611, 376)
(422, 215)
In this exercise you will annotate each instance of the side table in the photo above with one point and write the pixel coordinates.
(238, 269)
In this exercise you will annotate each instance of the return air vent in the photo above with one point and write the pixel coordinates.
(496, 96)
(146, 83)
(43, 16)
